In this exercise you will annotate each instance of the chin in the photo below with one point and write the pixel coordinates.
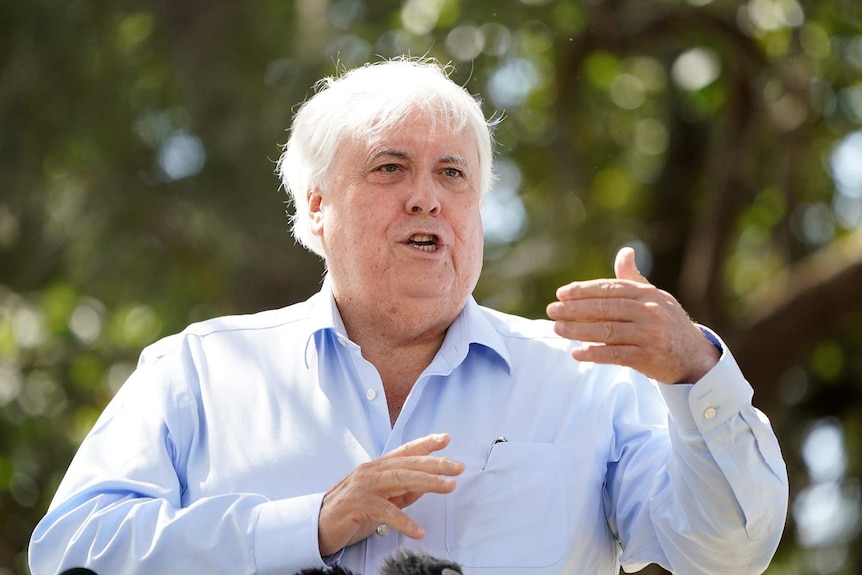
(422, 294)
(428, 287)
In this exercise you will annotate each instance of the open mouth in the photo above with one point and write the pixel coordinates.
(423, 242)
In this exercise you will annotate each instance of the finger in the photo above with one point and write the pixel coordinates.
(416, 455)
(601, 288)
(625, 266)
(422, 446)
(606, 332)
(428, 464)
(596, 309)
(398, 482)
(626, 355)
(392, 516)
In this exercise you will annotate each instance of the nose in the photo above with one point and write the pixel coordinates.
(424, 198)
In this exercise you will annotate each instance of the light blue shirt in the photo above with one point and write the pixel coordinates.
(215, 455)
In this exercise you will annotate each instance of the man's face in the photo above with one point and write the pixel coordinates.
(399, 217)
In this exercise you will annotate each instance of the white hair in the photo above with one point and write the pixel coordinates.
(363, 103)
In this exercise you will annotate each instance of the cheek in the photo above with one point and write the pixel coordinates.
(476, 234)
(473, 239)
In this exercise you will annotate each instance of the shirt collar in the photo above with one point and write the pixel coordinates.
(323, 316)
(472, 326)
(324, 311)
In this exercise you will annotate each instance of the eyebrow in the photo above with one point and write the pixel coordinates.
(449, 159)
(453, 160)
(389, 152)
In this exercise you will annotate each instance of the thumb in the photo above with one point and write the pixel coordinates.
(625, 267)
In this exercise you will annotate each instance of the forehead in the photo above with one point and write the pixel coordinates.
(417, 134)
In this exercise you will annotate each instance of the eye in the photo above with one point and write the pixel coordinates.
(388, 168)
(453, 172)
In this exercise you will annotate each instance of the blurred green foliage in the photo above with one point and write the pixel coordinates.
(720, 138)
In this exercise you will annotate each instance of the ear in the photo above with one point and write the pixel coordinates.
(315, 210)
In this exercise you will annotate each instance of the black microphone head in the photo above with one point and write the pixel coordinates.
(78, 571)
(405, 562)
(320, 571)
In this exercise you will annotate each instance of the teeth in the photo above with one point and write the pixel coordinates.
(423, 242)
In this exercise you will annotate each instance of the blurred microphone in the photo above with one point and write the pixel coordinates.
(405, 562)
(321, 571)
(401, 562)
(78, 571)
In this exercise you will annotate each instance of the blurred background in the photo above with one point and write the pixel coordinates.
(722, 139)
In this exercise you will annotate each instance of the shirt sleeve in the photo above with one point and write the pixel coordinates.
(120, 507)
(716, 483)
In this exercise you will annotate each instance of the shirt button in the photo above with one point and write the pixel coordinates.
(371, 395)
(709, 413)
(382, 530)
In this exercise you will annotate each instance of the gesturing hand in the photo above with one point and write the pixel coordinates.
(628, 321)
(375, 493)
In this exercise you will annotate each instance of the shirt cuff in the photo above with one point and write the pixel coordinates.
(718, 396)
(285, 535)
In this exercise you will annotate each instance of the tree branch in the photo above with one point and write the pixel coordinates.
(816, 293)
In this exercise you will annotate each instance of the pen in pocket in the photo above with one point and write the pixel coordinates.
(500, 439)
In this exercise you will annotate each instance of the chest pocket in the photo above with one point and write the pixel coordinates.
(511, 514)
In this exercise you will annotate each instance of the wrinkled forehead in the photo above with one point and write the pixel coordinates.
(418, 128)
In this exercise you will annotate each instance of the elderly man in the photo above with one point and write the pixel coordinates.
(391, 411)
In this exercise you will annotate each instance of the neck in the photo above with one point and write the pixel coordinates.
(398, 337)
(395, 328)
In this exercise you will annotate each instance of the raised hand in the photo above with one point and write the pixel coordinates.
(628, 321)
(374, 493)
